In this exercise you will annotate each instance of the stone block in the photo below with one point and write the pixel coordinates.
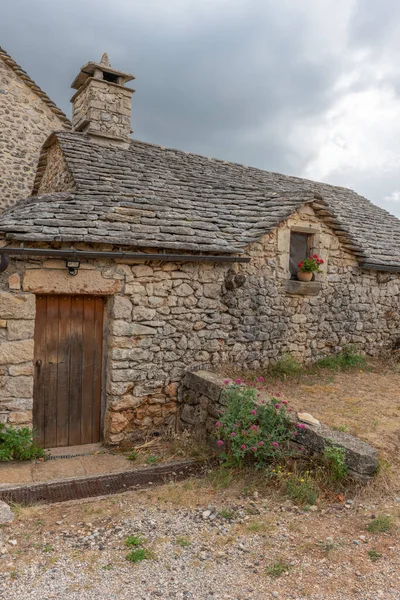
(193, 414)
(122, 308)
(303, 288)
(122, 328)
(16, 352)
(17, 387)
(20, 418)
(14, 282)
(360, 456)
(48, 281)
(205, 383)
(16, 370)
(17, 306)
(20, 329)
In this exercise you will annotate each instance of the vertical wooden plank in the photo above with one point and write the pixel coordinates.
(51, 368)
(75, 371)
(39, 382)
(88, 344)
(63, 379)
(97, 373)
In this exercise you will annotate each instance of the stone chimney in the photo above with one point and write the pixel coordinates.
(101, 107)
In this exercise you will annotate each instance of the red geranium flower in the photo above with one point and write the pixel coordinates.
(315, 255)
(300, 265)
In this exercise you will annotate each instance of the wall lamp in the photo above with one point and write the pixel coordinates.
(72, 266)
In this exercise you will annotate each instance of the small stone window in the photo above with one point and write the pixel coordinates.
(300, 248)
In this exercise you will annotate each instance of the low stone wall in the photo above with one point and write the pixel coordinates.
(201, 398)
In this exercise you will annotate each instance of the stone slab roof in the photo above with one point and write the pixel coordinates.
(150, 196)
(10, 62)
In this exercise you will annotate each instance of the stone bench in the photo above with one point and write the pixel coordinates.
(201, 398)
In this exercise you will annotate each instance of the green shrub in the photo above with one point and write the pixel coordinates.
(138, 555)
(374, 555)
(249, 432)
(335, 459)
(151, 460)
(133, 541)
(301, 489)
(18, 444)
(133, 455)
(381, 524)
(346, 359)
(284, 367)
(277, 569)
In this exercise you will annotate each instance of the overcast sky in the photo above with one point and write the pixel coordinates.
(304, 87)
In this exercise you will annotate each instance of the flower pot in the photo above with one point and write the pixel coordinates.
(304, 276)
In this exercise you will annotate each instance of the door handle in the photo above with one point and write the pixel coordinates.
(38, 363)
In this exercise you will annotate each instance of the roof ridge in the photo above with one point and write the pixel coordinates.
(10, 62)
(294, 178)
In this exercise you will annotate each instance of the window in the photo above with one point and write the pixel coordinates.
(112, 77)
(300, 246)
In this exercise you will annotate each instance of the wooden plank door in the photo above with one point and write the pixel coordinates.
(68, 365)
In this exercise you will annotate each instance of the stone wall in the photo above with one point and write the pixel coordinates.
(25, 123)
(202, 400)
(165, 318)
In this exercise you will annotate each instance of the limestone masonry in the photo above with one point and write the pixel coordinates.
(210, 283)
(27, 117)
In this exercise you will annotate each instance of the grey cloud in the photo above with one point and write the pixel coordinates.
(230, 86)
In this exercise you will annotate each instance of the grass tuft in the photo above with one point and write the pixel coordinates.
(346, 359)
(284, 367)
(277, 569)
(381, 524)
(138, 555)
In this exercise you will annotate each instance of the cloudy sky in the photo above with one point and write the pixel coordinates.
(304, 87)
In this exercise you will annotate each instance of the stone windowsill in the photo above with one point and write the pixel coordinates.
(303, 288)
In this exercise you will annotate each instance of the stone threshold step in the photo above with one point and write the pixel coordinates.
(103, 485)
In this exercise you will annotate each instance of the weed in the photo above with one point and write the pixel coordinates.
(108, 567)
(18, 444)
(343, 428)
(182, 542)
(335, 459)
(138, 555)
(256, 527)
(346, 359)
(277, 569)
(14, 574)
(48, 548)
(326, 546)
(133, 455)
(374, 555)
(227, 513)
(301, 489)
(133, 541)
(221, 478)
(381, 524)
(151, 459)
(285, 367)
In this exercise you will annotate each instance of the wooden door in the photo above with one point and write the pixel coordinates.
(68, 358)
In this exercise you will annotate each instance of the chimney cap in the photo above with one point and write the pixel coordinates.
(104, 65)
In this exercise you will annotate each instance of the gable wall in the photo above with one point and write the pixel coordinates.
(165, 318)
(56, 177)
(25, 123)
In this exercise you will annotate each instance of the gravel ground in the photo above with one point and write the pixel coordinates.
(205, 545)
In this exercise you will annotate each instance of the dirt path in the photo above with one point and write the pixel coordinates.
(205, 545)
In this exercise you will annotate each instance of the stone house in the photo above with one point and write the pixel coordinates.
(27, 117)
(131, 264)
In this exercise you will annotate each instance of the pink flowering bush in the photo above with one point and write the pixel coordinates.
(259, 434)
